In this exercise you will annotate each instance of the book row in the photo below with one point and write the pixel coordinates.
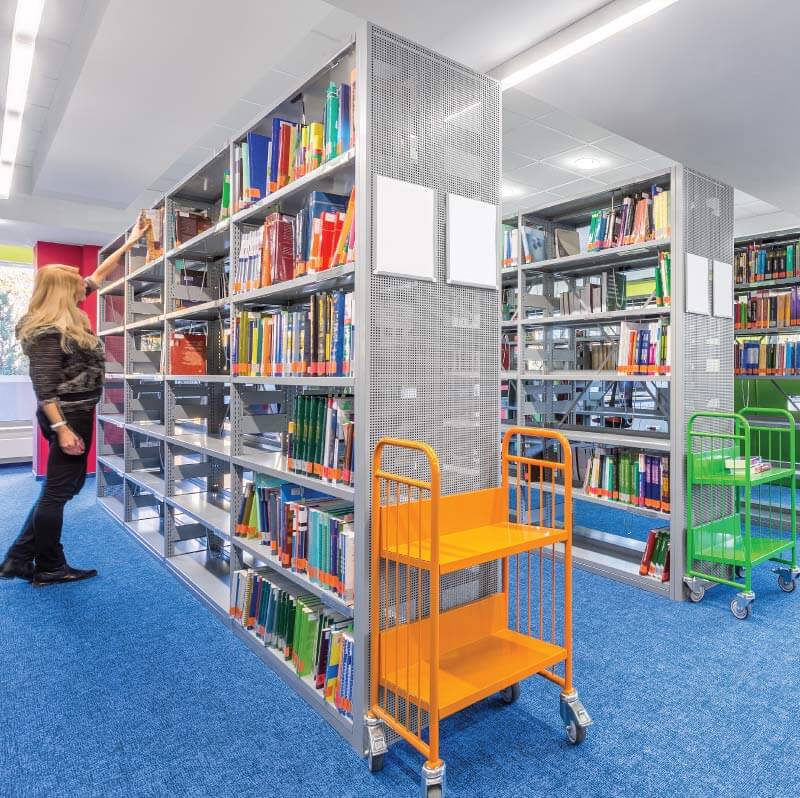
(644, 348)
(316, 642)
(321, 437)
(600, 294)
(311, 340)
(770, 356)
(629, 477)
(319, 237)
(766, 262)
(265, 164)
(533, 245)
(639, 218)
(304, 530)
(655, 557)
(761, 310)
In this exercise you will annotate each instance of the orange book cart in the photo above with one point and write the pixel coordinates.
(428, 659)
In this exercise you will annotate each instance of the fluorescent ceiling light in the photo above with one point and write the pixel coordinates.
(587, 163)
(586, 41)
(23, 41)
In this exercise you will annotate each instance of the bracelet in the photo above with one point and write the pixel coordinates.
(58, 425)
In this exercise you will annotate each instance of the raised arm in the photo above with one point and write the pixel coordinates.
(102, 271)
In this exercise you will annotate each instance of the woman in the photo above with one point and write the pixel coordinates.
(67, 369)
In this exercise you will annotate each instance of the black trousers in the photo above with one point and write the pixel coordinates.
(40, 539)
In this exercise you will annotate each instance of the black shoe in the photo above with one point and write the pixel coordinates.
(63, 574)
(11, 568)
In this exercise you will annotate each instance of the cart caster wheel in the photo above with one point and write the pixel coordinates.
(739, 611)
(787, 585)
(576, 734)
(375, 763)
(510, 694)
(696, 595)
(434, 791)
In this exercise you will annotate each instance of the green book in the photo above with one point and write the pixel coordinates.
(790, 260)
(225, 204)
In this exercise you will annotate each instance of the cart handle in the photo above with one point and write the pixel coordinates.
(564, 464)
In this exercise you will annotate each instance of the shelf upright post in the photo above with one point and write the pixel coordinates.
(362, 321)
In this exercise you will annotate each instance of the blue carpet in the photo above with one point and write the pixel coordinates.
(127, 686)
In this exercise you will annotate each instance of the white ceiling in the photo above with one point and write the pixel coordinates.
(122, 108)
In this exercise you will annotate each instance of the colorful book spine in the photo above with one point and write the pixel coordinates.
(770, 355)
(637, 219)
(645, 348)
(760, 262)
(655, 557)
(629, 477)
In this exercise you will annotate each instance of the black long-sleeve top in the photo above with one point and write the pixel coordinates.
(74, 379)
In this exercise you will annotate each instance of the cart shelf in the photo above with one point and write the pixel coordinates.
(727, 479)
(725, 547)
(479, 656)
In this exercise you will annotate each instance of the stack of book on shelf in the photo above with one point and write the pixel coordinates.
(265, 164)
(321, 437)
(761, 310)
(533, 245)
(629, 477)
(595, 355)
(304, 530)
(663, 277)
(655, 557)
(154, 237)
(310, 340)
(604, 293)
(637, 219)
(766, 262)
(315, 641)
(187, 353)
(319, 237)
(190, 222)
(771, 355)
(737, 466)
(644, 349)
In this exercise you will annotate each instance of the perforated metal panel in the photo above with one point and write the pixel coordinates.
(433, 357)
(707, 340)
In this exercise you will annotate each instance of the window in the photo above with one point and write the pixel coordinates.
(16, 285)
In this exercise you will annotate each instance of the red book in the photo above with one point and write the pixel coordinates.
(187, 353)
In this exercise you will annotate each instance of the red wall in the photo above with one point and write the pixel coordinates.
(83, 258)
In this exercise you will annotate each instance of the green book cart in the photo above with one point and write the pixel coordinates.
(741, 501)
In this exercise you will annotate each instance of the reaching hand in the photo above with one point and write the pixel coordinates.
(139, 229)
(70, 442)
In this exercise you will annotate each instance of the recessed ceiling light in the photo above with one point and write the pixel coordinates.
(586, 41)
(587, 163)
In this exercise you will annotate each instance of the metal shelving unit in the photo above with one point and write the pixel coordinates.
(180, 494)
(579, 402)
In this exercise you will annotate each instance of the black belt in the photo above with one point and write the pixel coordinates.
(81, 396)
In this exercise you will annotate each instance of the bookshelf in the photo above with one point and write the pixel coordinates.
(178, 449)
(562, 325)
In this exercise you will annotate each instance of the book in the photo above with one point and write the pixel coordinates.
(655, 557)
(187, 353)
(312, 639)
(645, 348)
(304, 530)
(320, 437)
(636, 219)
(629, 477)
(768, 355)
(759, 262)
(765, 309)
(311, 339)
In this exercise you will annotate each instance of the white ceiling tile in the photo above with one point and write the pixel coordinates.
(566, 160)
(271, 89)
(583, 185)
(514, 190)
(627, 149)
(741, 198)
(759, 208)
(216, 138)
(542, 176)
(512, 120)
(541, 199)
(658, 163)
(34, 117)
(49, 58)
(525, 104)
(742, 212)
(537, 141)
(573, 126)
(623, 174)
(239, 114)
(60, 20)
(512, 161)
(41, 90)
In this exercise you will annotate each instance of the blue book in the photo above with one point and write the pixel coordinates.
(257, 149)
(344, 118)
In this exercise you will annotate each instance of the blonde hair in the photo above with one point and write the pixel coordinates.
(54, 304)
